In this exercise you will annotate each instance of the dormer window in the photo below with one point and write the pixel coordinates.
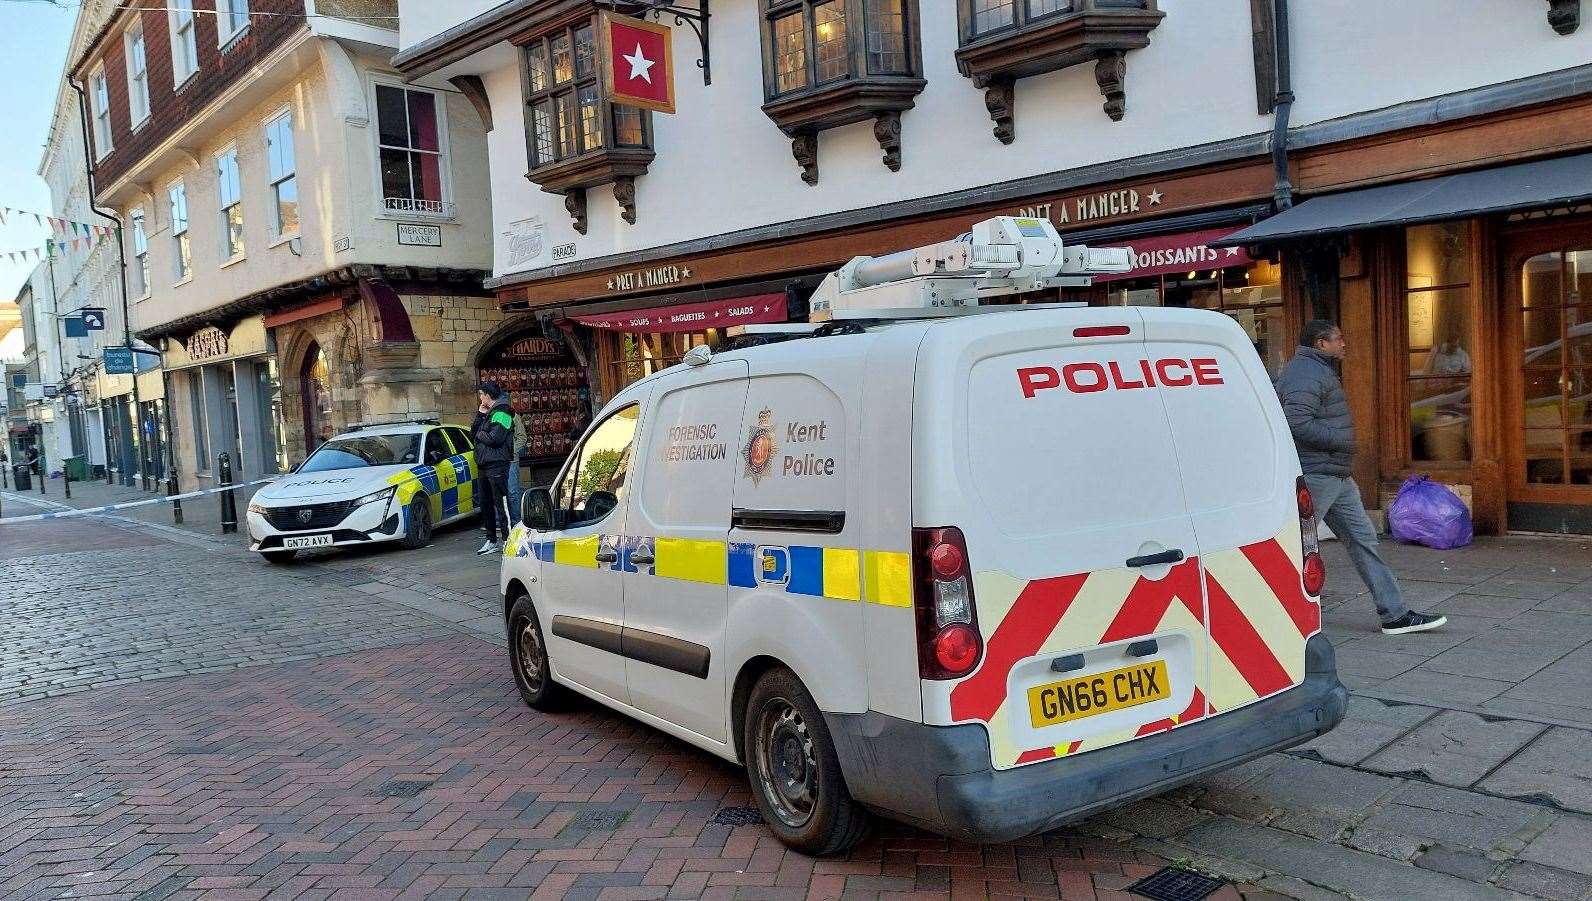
(1004, 40)
(828, 63)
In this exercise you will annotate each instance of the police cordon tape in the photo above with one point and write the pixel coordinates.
(58, 514)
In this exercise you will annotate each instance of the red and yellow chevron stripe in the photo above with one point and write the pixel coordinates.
(1244, 611)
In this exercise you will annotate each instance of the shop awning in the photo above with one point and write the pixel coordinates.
(1523, 186)
(692, 317)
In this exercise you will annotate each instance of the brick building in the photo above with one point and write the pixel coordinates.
(302, 229)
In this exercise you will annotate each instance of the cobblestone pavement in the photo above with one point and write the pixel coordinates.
(1461, 771)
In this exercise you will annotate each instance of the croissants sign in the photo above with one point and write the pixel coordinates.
(637, 62)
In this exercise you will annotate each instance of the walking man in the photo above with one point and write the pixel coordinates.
(1318, 415)
(494, 443)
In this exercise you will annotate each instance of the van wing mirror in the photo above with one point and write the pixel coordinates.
(537, 511)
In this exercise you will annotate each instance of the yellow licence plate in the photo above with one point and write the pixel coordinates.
(1074, 699)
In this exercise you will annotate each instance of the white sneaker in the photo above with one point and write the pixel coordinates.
(486, 548)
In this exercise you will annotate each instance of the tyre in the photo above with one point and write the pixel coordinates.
(533, 673)
(279, 557)
(795, 774)
(419, 534)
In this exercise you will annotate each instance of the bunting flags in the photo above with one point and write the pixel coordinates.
(66, 234)
(61, 226)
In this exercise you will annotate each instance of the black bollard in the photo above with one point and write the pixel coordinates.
(42, 474)
(176, 506)
(229, 503)
(66, 481)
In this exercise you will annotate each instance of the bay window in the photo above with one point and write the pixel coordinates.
(828, 63)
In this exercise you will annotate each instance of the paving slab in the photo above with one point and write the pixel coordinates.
(1556, 622)
(1566, 845)
(1362, 660)
(1319, 789)
(1539, 711)
(1556, 768)
(1490, 606)
(1465, 864)
(1437, 814)
(1355, 873)
(1368, 726)
(1454, 748)
(1505, 654)
(1546, 882)
(1439, 689)
(1509, 585)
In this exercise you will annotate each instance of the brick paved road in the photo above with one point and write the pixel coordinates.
(394, 759)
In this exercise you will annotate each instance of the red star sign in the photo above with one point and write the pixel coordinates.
(638, 67)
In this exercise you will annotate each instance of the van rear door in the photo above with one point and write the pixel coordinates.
(1044, 437)
(1239, 471)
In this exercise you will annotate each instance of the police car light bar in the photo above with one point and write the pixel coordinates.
(1001, 256)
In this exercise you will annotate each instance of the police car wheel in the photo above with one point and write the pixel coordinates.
(528, 655)
(279, 556)
(793, 769)
(419, 534)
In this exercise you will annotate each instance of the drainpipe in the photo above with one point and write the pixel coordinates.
(137, 437)
(1282, 105)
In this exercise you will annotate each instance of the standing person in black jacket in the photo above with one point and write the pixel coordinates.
(1318, 415)
(494, 445)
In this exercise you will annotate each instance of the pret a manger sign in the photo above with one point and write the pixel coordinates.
(637, 62)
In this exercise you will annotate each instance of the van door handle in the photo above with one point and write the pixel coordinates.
(607, 555)
(1168, 556)
(642, 558)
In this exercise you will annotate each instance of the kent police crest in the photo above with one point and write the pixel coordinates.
(760, 447)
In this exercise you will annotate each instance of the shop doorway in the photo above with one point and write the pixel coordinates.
(1549, 344)
(315, 388)
(549, 392)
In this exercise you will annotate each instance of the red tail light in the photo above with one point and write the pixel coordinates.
(1314, 572)
(949, 645)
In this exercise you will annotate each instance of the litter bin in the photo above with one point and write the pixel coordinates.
(77, 468)
(21, 477)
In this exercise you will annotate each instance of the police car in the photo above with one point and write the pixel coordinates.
(986, 571)
(374, 483)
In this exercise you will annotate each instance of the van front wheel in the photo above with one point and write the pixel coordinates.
(795, 775)
(533, 672)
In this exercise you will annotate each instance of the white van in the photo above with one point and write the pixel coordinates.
(984, 574)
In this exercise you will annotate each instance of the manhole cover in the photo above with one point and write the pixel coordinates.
(401, 788)
(1171, 884)
(599, 820)
(737, 816)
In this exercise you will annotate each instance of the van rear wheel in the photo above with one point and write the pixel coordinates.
(793, 769)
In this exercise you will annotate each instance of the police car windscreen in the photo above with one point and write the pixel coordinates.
(364, 450)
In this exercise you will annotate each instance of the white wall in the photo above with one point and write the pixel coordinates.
(723, 166)
(420, 19)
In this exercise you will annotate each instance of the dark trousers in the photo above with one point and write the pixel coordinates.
(494, 490)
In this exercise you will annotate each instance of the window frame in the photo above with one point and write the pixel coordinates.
(1405, 379)
(229, 252)
(275, 180)
(531, 98)
(182, 241)
(138, 234)
(184, 41)
(1021, 19)
(134, 37)
(571, 470)
(857, 17)
(443, 444)
(228, 29)
(100, 112)
(445, 208)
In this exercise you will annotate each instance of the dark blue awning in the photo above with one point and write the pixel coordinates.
(1523, 186)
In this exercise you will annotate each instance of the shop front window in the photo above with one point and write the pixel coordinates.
(640, 355)
(1251, 294)
(1438, 341)
(1556, 363)
(315, 387)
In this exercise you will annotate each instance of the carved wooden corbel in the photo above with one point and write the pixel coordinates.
(1564, 15)
(1000, 98)
(575, 202)
(625, 194)
(887, 131)
(804, 146)
(1111, 74)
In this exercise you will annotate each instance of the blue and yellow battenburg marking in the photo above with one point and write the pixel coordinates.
(842, 574)
(450, 485)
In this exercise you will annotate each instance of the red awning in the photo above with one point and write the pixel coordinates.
(1186, 252)
(693, 317)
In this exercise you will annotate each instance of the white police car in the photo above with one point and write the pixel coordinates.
(388, 482)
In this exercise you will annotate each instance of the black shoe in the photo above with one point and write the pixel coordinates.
(1413, 622)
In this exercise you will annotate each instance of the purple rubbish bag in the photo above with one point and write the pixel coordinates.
(1429, 513)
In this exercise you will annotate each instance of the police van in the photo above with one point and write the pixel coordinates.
(983, 570)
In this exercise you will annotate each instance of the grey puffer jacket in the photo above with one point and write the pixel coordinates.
(1318, 413)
